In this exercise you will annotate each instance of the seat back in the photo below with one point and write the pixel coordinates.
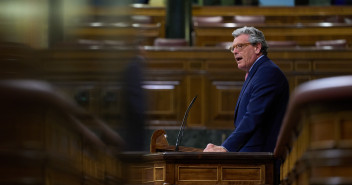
(170, 42)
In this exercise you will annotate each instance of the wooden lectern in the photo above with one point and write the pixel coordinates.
(189, 166)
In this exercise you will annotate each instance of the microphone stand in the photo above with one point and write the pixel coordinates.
(184, 121)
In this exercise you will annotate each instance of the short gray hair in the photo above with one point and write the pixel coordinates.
(255, 36)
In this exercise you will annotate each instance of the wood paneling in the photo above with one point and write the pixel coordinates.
(304, 24)
(44, 139)
(304, 34)
(188, 168)
(197, 172)
(223, 11)
(313, 141)
(133, 33)
(173, 76)
(220, 81)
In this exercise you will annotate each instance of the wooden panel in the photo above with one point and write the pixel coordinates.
(301, 65)
(196, 65)
(346, 128)
(331, 171)
(55, 177)
(197, 173)
(136, 174)
(323, 134)
(113, 169)
(164, 103)
(159, 174)
(195, 86)
(165, 98)
(148, 175)
(110, 101)
(226, 107)
(285, 65)
(253, 174)
(332, 66)
(165, 64)
(221, 65)
(331, 130)
(86, 95)
(224, 95)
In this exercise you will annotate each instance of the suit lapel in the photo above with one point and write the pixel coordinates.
(246, 82)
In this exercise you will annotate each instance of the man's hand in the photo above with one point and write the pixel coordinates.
(214, 148)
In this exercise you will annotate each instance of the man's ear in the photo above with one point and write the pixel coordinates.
(258, 47)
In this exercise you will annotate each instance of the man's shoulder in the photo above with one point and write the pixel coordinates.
(269, 71)
(267, 64)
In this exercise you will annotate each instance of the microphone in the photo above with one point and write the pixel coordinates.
(184, 121)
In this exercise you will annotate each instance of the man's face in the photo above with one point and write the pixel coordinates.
(245, 53)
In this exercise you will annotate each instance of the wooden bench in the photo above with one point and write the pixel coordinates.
(315, 141)
(45, 139)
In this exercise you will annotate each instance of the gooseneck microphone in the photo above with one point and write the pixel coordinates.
(184, 122)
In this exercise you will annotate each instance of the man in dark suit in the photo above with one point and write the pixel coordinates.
(263, 99)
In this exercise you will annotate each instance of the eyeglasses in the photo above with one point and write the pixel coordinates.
(239, 47)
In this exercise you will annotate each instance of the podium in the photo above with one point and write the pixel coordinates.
(189, 166)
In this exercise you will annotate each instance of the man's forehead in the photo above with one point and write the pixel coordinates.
(242, 37)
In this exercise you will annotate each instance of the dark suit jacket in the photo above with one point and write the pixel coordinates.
(260, 109)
